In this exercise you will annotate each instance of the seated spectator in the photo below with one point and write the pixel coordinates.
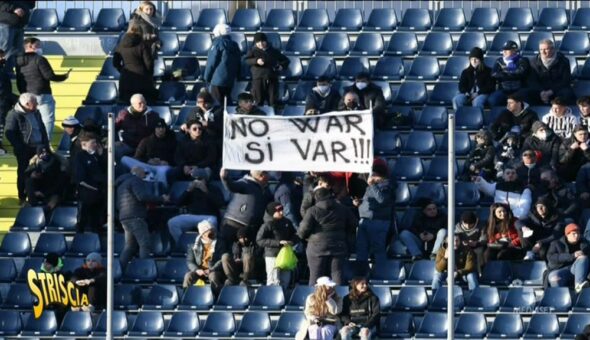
(560, 118)
(517, 115)
(568, 260)
(559, 195)
(322, 98)
(134, 123)
(350, 102)
(584, 108)
(72, 129)
(322, 310)
(46, 180)
(149, 21)
(91, 279)
(276, 232)
(427, 232)
(573, 154)
(53, 264)
(369, 95)
(90, 170)
(545, 143)
(509, 191)
(503, 239)
(476, 82)
(465, 264)
(209, 114)
(481, 158)
(583, 186)
(223, 63)
(550, 76)
(194, 156)
(539, 229)
(511, 71)
(360, 311)
(472, 235)
(289, 193)
(528, 170)
(507, 152)
(203, 257)
(314, 181)
(247, 106)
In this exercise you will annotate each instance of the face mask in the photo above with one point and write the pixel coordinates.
(39, 51)
(361, 85)
(542, 135)
(91, 152)
(324, 88)
(351, 105)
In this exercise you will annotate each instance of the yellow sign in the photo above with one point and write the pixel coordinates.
(53, 289)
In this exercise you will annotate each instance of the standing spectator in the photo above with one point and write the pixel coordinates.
(91, 279)
(481, 159)
(560, 196)
(517, 114)
(350, 102)
(25, 131)
(202, 258)
(369, 95)
(72, 129)
(503, 239)
(14, 15)
(195, 156)
(46, 179)
(427, 232)
(509, 191)
(541, 227)
(289, 193)
(223, 63)
(134, 60)
(465, 264)
(7, 98)
(266, 63)
(476, 82)
(511, 71)
(584, 108)
(149, 22)
(134, 123)
(528, 170)
(550, 76)
(33, 75)
(360, 311)
(327, 227)
(573, 154)
(560, 118)
(90, 170)
(544, 143)
(322, 308)
(322, 98)
(472, 236)
(568, 259)
(247, 105)
(314, 181)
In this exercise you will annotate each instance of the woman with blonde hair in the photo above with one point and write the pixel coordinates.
(149, 22)
(321, 311)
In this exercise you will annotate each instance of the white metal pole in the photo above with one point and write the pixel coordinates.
(451, 229)
(110, 221)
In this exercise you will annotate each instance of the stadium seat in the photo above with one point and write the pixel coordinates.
(431, 118)
(517, 19)
(209, 18)
(334, 44)
(370, 44)
(531, 47)
(102, 93)
(483, 299)
(45, 325)
(500, 39)
(437, 169)
(469, 118)
(390, 272)
(29, 219)
(246, 19)
(7, 271)
(268, 298)
(282, 20)
(419, 143)
(254, 324)
(506, 326)
(300, 43)
(443, 93)
(274, 40)
(421, 273)
(177, 19)
(197, 298)
(471, 326)
(288, 325)
(396, 325)
(434, 325)
(408, 168)
(437, 43)
(313, 20)
(172, 93)
(543, 326)
(352, 66)
(72, 263)
(110, 20)
(404, 112)
(298, 296)
(555, 299)
(411, 299)
(75, 324)
(381, 19)
(411, 93)
(183, 324)
(15, 244)
(582, 88)
(449, 19)
(196, 44)
(484, 19)
(84, 244)
(581, 20)
(529, 273)
(388, 68)
(293, 111)
(11, 323)
(469, 40)
(147, 324)
(402, 44)
(161, 297)
(496, 273)
(385, 89)
(43, 20)
(232, 298)
(294, 71)
(434, 191)
(320, 67)
(415, 19)
(169, 44)
(423, 68)
(218, 324)
(50, 243)
(582, 304)
(19, 297)
(76, 20)
(108, 71)
(127, 297)
(164, 113)
(119, 324)
(575, 325)
(466, 194)
(386, 143)
(300, 93)
(347, 19)
(552, 19)
(402, 194)
(173, 271)
(63, 219)
(575, 43)
(519, 299)
(83, 113)
(140, 271)
(440, 299)
(383, 293)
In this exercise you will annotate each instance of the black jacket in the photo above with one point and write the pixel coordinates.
(91, 169)
(506, 120)
(570, 161)
(470, 78)
(325, 104)
(214, 118)
(371, 94)
(18, 129)
(132, 196)
(134, 60)
(528, 176)
(7, 98)
(136, 126)
(272, 232)
(272, 57)
(34, 74)
(549, 149)
(8, 17)
(200, 153)
(561, 254)
(482, 157)
(562, 200)
(248, 203)
(545, 230)
(198, 202)
(514, 80)
(363, 311)
(154, 147)
(557, 77)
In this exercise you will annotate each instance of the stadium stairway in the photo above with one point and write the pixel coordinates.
(68, 97)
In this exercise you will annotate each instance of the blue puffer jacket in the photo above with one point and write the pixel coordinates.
(223, 62)
(132, 195)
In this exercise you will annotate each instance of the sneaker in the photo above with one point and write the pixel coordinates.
(581, 286)
(530, 256)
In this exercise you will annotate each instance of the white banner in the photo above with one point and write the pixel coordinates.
(336, 141)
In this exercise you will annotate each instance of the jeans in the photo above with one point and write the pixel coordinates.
(461, 99)
(181, 223)
(371, 238)
(159, 171)
(11, 42)
(563, 276)
(364, 333)
(276, 276)
(324, 266)
(47, 109)
(439, 278)
(325, 332)
(137, 236)
(416, 246)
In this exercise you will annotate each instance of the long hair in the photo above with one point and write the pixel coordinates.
(495, 225)
(318, 298)
(355, 294)
(145, 4)
(134, 28)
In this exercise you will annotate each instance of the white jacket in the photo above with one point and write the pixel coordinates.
(520, 204)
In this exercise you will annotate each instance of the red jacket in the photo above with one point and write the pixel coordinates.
(512, 235)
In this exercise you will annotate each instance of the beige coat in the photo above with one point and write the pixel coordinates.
(334, 308)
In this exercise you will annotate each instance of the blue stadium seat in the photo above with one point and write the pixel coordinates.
(388, 68)
(582, 302)
(7, 271)
(500, 39)
(254, 324)
(431, 118)
(575, 43)
(172, 93)
(197, 298)
(544, 326)
(438, 170)
(471, 326)
(282, 20)
(555, 299)
(352, 66)
(173, 271)
(383, 293)
(385, 89)
(443, 93)
(294, 71)
(434, 191)
(176, 190)
(529, 273)
(419, 143)
(29, 219)
(423, 68)
(298, 296)
(110, 20)
(63, 219)
(288, 325)
(334, 44)
(159, 68)
(396, 325)
(518, 19)
(127, 297)
(293, 111)
(390, 272)
(268, 298)
(300, 43)
(164, 112)
(169, 44)
(483, 299)
(437, 43)
(519, 299)
(381, 19)
(466, 194)
(402, 194)
(274, 40)
(246, 19)
(469, 118)
(84, 113)
(552, 19)
(440, 299)
(19, 297)
(386, 143)
(183, 324)
(50, 243)
(218, 324)
(300, 93)
(108, 71)
(232, 298)
(84, 244)
(320, 67)
(469, 40)
(582, 88)
(72, 263)
(11, 322)
(450, 19)
(313, 20)
(196, 44)
(370, 44)
(75, 324)
(102, 93)
(406, 112)
(415, 19)
(119, 324)
(43, 20)
(140, 271)
(347, 19)
(421, 273)
(209, 18)
(496, 273)
(434, 325)
(575, 325)
(531, 47)
(506, 326)
(119, 244)
(45, 325)
(581, 20)
(160, 244)
(161, 297)
(411, 93)
(76, 20)
(484, 19)
(408, 168)
(15, 244)
(147, 324)
(402, 44)
(177, 19)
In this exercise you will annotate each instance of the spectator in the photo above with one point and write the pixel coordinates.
(465, 264)
(90, 169)
(276, 232)
(510, 71)
(315, 181)
(528, 170)
(517, 115)
(134, 123)
(132, 195)
(584, 108)
(541, 227)
(360, 311)
(134, 60)
(472, 235)
(560, 196)
(550, 76)
(350, 102)
(266, 63)
(149, 22)
(14, 16)
(369, 95)
(203, 257)
(25, 131)
(72, 129)
(503, 239)
(476, 82)
(289, 193)
(7, 98)
(322, 98)
(53, 264)
(195, 156)
(33, 75)
(247, 105)
(427, 232)
(327, 228)
(544, 143)
(91, 279)
(509, 191)
(573, 154)
(322, 308)
(210, 115)
(507, 152)
(46, 179)
(560, 118)
(583, 186)
(481, 159)
(568, 259)
(223, 63)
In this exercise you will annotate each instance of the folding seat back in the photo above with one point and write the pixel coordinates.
(164, 113)
(411, 93)
(483, 299)
(209, 18)
(45, 325)
(438, 169)
(110, 20)
(50, 243)
(388, 68)
(415, 19)
(543, 325)
(484, 19)
(334, 43)
(288, 325)
(102, 93)
(76, 20)
(84, 113)
(386, 143)
(108, 71)
(436, 192)
(161, 297)
(575, 325)
(169, 44)
(466, 194)
(72, 263)
(519, 299)
(552, 19)
(141, 270)
(127, 297)
(555, 299)
(300, 43)
(437, 43)
(76, 323)
(84, 244)
(424, 68)
(402, 194)
(197, 298)
(581, 20)
(529, 273)
(433, 325)
(384, 296)
(313, 20)
(19, 297)
(450, 19)
(253, 324)
(381, 19)
(177, 19)
(173, 271)
(43, 20)
(532, 42)
(197, 44)
(396, 325)
(508, 326)
(408, 168)
(368, 44)
(320, 67)
(582, 301)
(172, 93)
(282, 20)
(347, 19)
(183, 324)
(233, 298)
(496, 273)
(387, 272)
(443, 93)
(246, 19)
(11, 322)
(268, 298)
(469, 118)
(119, 325)
(218, 324)
(518, 19)
(471, 326)
(440, 299)
(29, 219)
(411, 299)
(469, 40)
(7, 270)
(352, 66)
(147, 323)
(402, 44)
(431, 118)
(419, 143)
(298, 296)
(575, 43)
(500, 39)
(15, 244)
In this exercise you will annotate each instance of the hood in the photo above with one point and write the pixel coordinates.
(20, 109)
(525, 106)
(130, 40)
(25, 58)
(327, 204)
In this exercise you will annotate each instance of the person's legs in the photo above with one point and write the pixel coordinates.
(480, 101)
(272, 273)
(459, 100)
(217, 279)
(230, 269)
(346, 333)
(472, 282)
(490, 254)
(440, 238)
(316, 266)
(142, 235)
(560, 277)
(257, 91)
(131, 245)
(122, 149)
(22, 159)
(497, 98)
(377, 235)
(284, 278)
(185, 222)
(273, 91)
(16, 37)
(189, 279)
(437, 279)
(47, 109)
(412, 242)
(580, 269)
(248, 266)
(362, 240)
(336, 269)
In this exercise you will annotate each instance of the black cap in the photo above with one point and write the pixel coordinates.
(260, 37)
(322, 194)
(161, 123)
(476, 52)
(510, 45)
(273, 207)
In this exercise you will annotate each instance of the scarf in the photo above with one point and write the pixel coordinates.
(550, 61)
(511, 62)
(154, 21)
